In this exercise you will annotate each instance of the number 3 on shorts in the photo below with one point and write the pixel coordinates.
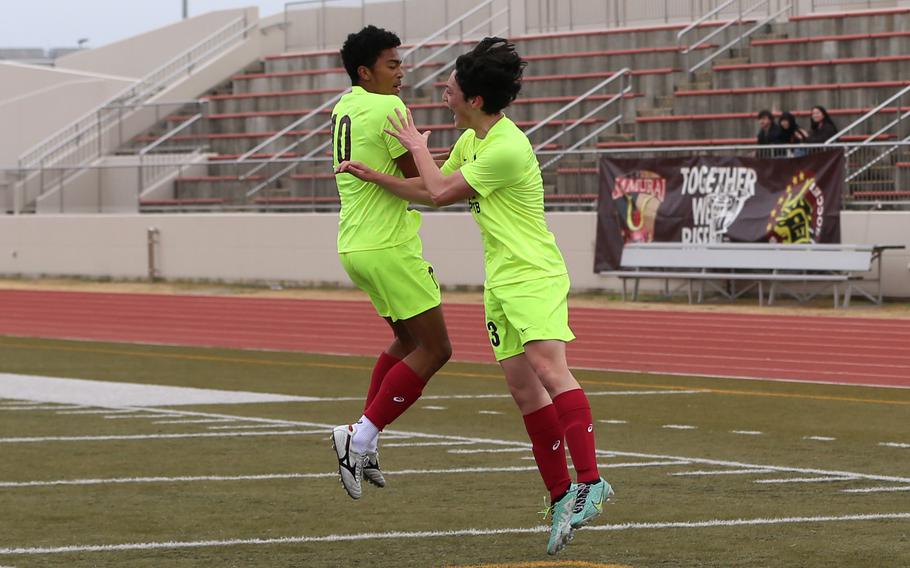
(494, 337)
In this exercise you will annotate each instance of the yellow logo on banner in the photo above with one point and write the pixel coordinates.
(793, 218)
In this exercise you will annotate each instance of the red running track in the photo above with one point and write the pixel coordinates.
(806, 348)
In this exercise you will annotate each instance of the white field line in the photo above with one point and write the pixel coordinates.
(491, 412)
(11, 408)
(262, 477)
(279, 476)
(104, 411)
(747, 432)
(425, 444)
(398, 535)
(894, 445)
(642, 392)
(679, 427)
(135, 416)
(805, 480)
(526, 445)
(877, 489)
(239, 426)
(156, 436)
(721, 472)
(787, 469)
(613, 421)
(819, 438)
(200, 421)
(491, 451)
(431, 407)
(508, 396)
(641, 464)
(745, 378)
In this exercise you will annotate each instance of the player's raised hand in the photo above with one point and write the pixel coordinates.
(406, 132)
(356, 169)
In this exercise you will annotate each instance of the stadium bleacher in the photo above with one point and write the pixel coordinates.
(827, 59)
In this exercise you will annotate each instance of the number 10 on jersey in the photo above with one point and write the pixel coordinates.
(341, 135)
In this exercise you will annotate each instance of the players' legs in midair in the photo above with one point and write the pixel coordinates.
(548, 359)
(400, 386)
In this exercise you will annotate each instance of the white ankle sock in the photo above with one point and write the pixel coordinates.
(365, 437)
(374, 444)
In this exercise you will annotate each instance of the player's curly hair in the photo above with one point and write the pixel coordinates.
(364, 47)
(491, 70)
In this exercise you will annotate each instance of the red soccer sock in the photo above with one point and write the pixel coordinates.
(575, 417)
(382, 367)
(546, 442)
(400, 388)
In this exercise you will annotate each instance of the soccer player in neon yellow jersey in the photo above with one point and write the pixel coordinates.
(379, 247)
(525, 293)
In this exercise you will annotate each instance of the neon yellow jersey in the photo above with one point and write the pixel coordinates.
(371, 218)
(507, 205)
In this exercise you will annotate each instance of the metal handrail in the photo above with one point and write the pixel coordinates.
(289, 128)
(621, 75)
(309, 155)
(578, 144)
(163, 160)
(870, 114)
(170, 134)
(592, 150)
(91, 119)
(585, 117)
(457, 22)
(278, 135)
(881, 130)
(874, 161)
(741, 37)
(451, 24)
(578, 100)
(701, 20)
(452, 44)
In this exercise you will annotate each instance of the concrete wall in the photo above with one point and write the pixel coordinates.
(30, 103)
(38, 101)
(301, 247)
(138, 55)
(886, 228)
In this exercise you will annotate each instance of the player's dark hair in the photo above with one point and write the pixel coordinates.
(364, 47)
(491, 70)
(765, 114)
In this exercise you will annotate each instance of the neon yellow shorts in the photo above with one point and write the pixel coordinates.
(527, 311)
(398, 280)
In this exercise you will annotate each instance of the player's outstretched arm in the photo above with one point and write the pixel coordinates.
(443, 189)
(409, 189)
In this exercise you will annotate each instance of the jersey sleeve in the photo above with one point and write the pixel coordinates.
(396, 150)
(453, 163)
(495, 168)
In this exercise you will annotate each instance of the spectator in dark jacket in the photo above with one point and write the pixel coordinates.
(791, 133)
(822, 127)
(768, 133)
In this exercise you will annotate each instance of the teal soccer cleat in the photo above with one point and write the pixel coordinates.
(561, 519)
(590, 501)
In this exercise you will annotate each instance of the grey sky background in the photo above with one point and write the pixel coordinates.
(60, 23)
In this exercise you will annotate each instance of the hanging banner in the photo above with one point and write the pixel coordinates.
(706, 199)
